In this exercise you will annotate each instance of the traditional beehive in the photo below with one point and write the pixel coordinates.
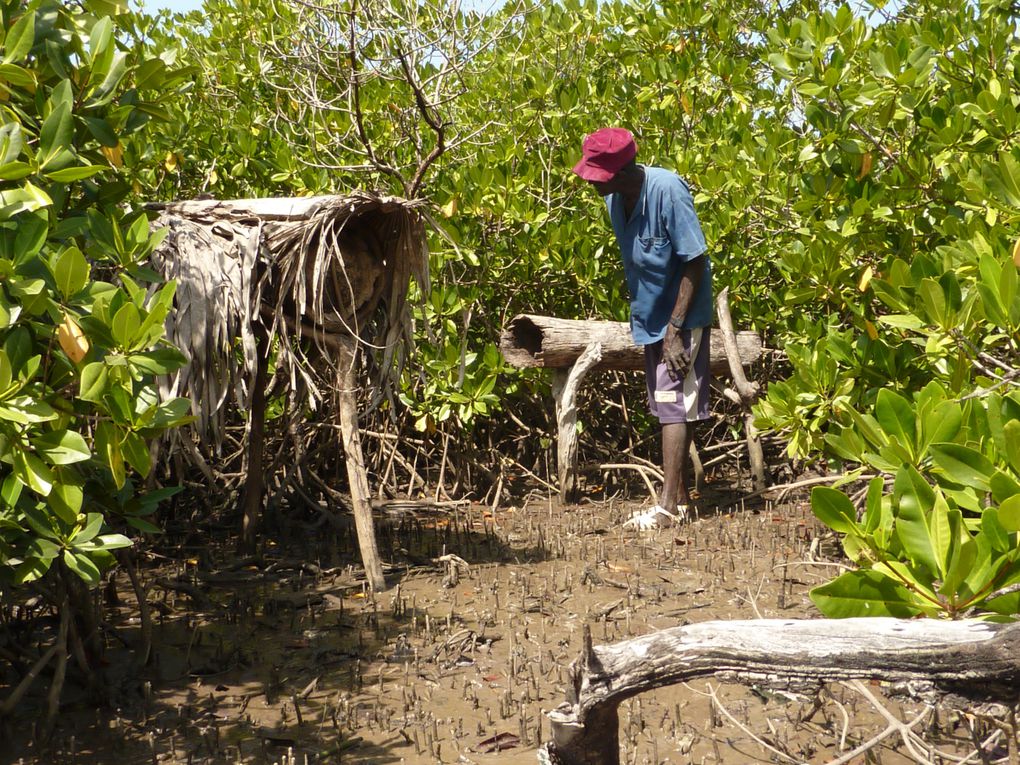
(258, 276)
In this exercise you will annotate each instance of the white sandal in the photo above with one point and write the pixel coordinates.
(656, 518)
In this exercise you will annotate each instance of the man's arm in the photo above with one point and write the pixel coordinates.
(673, 353)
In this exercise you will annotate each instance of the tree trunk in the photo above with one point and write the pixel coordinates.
(544, 341)
(973, 659)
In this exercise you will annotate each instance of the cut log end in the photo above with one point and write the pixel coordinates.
(521, 342)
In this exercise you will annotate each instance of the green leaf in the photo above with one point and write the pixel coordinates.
(994, 531)
(31, 470)
(125, 325)
(93, 382)
(941, 533)
(65, 500)
(864, 593)
(10, 490)
(962, 465)
(76, 173)
(20, 38)
(55, 137)
(31, 570)
(71, 271)
(1012, 443)
(107, 446)
(877, 514)
(914, 499)
(62, 447)
(11, 142)
(1009, 513)
(136, 452)
(159, 361)
(964, 554)
(896, 416)
(82, 566)
(902, 321)
(1003, 485)
(93, 525)
(143, 525)
(17, 76)
(833, 508)
(109, 542)
(25, 410)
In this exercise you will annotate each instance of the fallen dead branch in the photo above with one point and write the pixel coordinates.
(962, 659)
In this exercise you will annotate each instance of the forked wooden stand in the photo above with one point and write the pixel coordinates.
(573, 348)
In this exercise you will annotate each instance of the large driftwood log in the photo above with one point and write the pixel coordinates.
(544, 341)
(972, 659)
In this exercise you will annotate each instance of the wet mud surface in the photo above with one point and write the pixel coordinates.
(289, 659)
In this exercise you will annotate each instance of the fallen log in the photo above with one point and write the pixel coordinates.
(545, 341)
(978, 661)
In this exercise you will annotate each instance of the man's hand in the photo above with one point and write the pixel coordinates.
(677, 360)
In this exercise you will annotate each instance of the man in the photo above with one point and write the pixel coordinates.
(670, 281)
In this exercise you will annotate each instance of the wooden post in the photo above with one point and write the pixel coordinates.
(564, 387)
(974, 660)
(357, 476)
(747, 391)
(255, 480)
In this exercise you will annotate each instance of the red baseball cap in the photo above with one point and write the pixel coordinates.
(604, 153)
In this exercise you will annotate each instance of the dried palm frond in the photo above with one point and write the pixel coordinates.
(328, 269)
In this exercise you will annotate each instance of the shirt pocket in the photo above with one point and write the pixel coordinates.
(654, 254)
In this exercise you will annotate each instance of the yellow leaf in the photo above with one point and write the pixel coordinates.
(72, 340)
(1016, 254)
(450, 208)
(870, 329)
(865, 279)
(685, 102)
(866, 162)
(114, 154)
(213, 177)
(170, 163)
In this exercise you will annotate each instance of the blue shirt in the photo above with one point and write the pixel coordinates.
(662, 234)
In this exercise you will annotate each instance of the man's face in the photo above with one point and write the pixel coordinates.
(612, 186)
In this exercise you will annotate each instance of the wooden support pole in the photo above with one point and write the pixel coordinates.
(564, 387)
(747, 391)
(255, 480)
(976, 660)
(357, 476)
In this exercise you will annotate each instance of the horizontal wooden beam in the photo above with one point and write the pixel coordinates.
(544, 341)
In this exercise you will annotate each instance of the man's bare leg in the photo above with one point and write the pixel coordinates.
(676, 459)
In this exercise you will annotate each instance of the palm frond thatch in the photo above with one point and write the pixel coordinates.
(330, 269)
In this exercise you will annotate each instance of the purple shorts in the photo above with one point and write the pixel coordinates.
(684, 400)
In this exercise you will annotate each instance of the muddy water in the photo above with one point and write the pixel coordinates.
(279, 663)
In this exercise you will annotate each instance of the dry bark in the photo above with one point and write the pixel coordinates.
(976, 660)
(565, 387)
(545, 341)
(355, 462)
(746, 391)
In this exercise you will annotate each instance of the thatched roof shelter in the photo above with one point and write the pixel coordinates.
(262, 276)
(319, 267)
